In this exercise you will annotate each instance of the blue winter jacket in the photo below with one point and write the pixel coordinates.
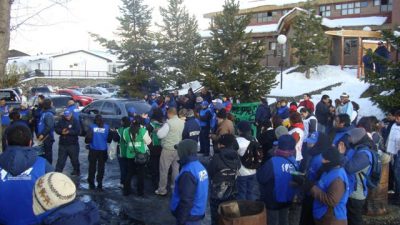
(263, 113)
(283, 112)
(24, 167)
(75, 111)
(46, 124)
(74, 213)
(189, 200)
(191, 129)
(340, 134)
(274, 178)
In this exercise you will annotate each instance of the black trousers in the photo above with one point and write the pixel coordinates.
(65, 151)
(205, 140)
(132, 167)
(97, 160)
(48, 150)
(306, 217)
(123, 168)
(154, 165)
(354, 211)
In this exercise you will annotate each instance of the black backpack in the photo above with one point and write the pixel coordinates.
(374, 178)
(253, 157)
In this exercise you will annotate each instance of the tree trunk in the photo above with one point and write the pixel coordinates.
(5, 10)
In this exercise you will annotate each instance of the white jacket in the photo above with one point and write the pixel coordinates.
(299, 144)
(393, 142)
(243, 144)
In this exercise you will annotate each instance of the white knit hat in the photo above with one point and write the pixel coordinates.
(51, 191)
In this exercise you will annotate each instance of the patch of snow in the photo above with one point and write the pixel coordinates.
(359, 21)
(262, 28)
(247, 4)
(396, 33)
(295, 84)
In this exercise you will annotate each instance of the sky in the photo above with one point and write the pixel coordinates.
(66, 27)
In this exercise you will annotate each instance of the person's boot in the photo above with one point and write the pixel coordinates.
(91, 185)
(76, 173)
(99, 186)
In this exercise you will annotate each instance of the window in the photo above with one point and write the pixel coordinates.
(325, 10)
(377, 2)
(108, 109)
(272, 46)
(93, 108)
(351, 8)
(363, 4)
(264, 17)
(386, 5)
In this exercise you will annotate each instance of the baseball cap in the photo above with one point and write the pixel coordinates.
(67, 113)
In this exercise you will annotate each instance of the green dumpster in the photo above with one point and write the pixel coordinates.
(245, 112)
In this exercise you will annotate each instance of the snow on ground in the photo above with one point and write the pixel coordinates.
(295, 84)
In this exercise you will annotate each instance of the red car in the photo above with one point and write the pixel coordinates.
(77, 96)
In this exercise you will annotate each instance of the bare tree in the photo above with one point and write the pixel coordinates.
(5, 10)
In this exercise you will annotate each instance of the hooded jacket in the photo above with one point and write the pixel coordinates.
(76, 213)
(191, 129)
(20, 168)
(46, 124)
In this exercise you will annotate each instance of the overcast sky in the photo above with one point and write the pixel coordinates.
(61, 29)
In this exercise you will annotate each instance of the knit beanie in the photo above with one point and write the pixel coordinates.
(332, 155)
(281, 130)
(186, 148)
(51, 191)
(286, 142)
(356, 135)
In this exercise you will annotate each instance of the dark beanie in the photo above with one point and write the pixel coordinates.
(332, 155)
(244, 126)
(227, 140)
(222, 114)
(286, 142)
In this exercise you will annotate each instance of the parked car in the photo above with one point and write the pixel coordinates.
(12, 98)
(112, 110)
(59, 103)
(78, 96)
(42, 90)
(96, 92)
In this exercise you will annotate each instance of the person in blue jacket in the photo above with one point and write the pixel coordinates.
(357, 163)
(189, 200)
(54, 195)
(69, 129)
(98, 136)
(4, 113)
(263, 113)
(275, 180)
(37, 112)
(312, 162)
(20, 167)
(192, 127)
(383, 56)
(283, 110)
(15, 121)
(46, 129)
(72, 107)
(342, 126)
(205, 116)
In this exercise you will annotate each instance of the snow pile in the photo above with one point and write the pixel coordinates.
(247, 4)
(262, 28)
(295, 84)
(359, 21)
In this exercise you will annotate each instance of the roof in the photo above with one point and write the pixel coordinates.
(15, 53)
(254, 6)
(84, 51)
(354, 22)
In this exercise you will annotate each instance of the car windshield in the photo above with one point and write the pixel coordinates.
(75, 92)
(103, 90)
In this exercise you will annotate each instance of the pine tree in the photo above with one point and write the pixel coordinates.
(231, 61)
(387, 85)
(178, 41)
(309, 40)
(136, 47)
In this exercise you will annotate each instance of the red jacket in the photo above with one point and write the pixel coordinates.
(307, 104)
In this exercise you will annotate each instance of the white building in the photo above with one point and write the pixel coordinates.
(79, 63)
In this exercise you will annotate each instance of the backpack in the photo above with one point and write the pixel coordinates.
(225, 189)
(253, 156)
(374, 177)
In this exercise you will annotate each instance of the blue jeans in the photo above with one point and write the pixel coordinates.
(65, 151)
(205, 140)
(278, 217)
(247, 187)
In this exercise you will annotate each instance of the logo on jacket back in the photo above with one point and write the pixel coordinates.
(26, 175)
(203, 175)
(287, 167)
(99, 130)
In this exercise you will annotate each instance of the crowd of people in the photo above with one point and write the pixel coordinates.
(322, 156)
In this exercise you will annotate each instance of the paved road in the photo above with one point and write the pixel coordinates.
(115, 208)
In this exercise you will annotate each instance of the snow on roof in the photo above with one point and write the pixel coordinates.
(396, 33)
(254, 29)
(247, 4)
(350, 22)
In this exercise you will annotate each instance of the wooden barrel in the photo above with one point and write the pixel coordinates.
(377, 200)
(242, 212)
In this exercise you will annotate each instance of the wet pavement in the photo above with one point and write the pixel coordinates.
(116, 209)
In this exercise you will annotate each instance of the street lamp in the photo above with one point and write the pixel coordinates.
(281, 40)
